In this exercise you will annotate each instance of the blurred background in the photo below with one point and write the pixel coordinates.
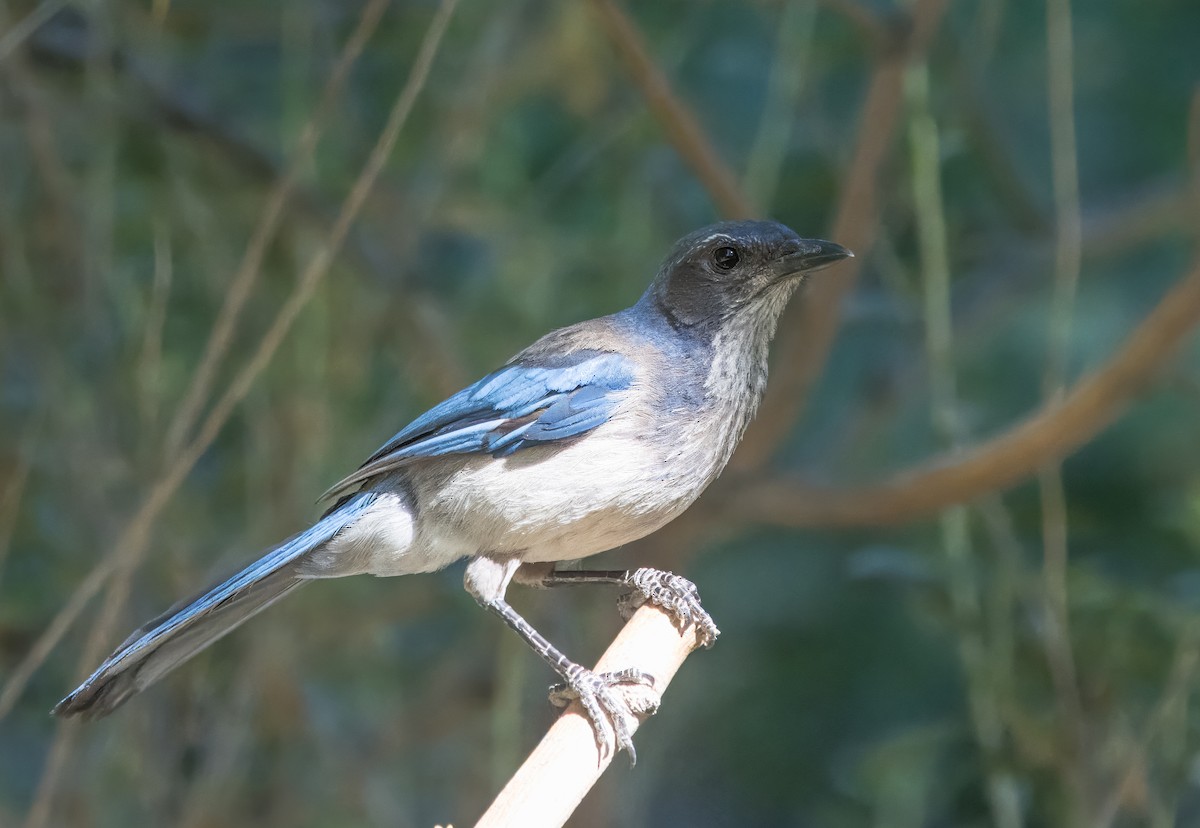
(241, 244)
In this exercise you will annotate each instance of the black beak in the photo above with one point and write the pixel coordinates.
(812, 254)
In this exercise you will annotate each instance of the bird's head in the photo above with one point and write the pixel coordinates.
(736, 267)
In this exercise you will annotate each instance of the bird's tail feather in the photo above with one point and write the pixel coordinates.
(190, 626)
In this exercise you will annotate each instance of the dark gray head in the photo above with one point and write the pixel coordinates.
(736, 266)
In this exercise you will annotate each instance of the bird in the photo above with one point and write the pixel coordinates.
(595, 435)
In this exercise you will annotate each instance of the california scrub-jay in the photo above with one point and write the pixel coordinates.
(595, 435)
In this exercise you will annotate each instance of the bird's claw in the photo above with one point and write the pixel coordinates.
(610, 712)
(676, 595)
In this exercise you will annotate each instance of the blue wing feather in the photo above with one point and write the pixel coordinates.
(520, 405)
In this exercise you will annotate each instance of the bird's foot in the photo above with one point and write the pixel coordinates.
(608, 701)
(673, 593)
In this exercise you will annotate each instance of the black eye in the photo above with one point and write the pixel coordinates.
(726, 258)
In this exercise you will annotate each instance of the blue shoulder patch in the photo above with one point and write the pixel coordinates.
(522, 404)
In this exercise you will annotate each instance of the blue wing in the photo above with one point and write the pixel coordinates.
(520, 405)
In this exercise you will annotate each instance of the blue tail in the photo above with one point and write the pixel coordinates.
(186, 629)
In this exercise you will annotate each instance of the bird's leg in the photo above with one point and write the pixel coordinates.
(610, 713)
(673, 593)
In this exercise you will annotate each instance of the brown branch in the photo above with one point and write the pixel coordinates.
(808, 328)
(1047, 436)
(677, 121)
(1136, 218)
(551, 783)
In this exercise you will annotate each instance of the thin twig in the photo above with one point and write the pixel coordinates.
(981, 128)
(1177, 688)
(46, 642)
(1065, 172)
(785, 84)
(99, 212)
(963, 584)
(1193, 154)
(1051, 433)
(23, 28)
(221, 336)
(14, 487)
(149, 363)
(808, 328)
(101, 572)
(129, 550)
(1005, 596)
(677, 121)
(42, 140)
(1068, 253)
(99, 575)
(551, 783)
(1136, 218)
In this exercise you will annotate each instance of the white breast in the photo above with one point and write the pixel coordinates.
(546, 504)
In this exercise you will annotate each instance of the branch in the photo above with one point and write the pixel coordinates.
(677, 121)
(549, 786)
(808, 327)
(1045, 437)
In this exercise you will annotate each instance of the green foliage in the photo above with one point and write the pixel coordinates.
(865, 677)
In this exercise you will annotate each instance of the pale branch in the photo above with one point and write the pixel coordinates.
(551, 783)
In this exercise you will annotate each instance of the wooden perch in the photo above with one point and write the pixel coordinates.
(549, 786)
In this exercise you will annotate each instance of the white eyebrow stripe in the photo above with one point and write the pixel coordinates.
(712, 236)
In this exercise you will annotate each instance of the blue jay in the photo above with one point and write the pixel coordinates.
(596, 435)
